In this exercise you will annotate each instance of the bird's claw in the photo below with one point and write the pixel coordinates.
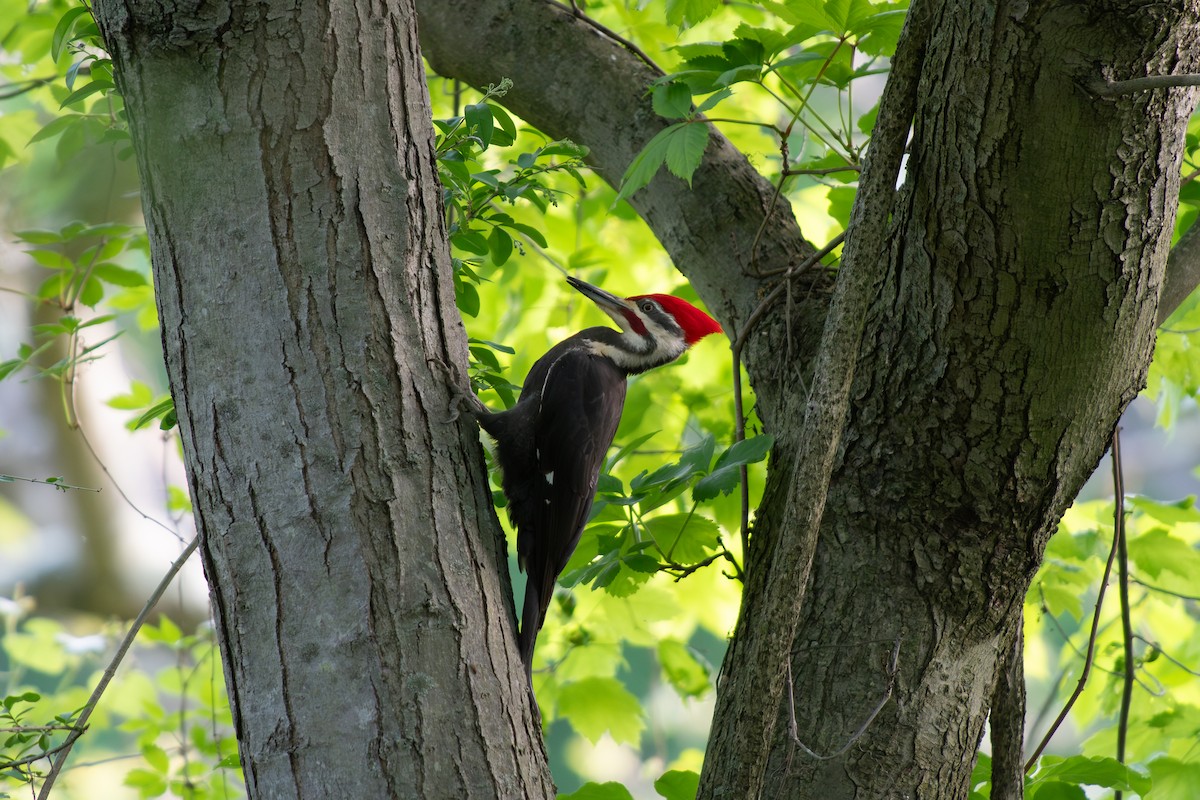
(457, 395)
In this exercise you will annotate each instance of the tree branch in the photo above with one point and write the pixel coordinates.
(1107, 88)
(1007, 719)
(1183, 273)
(748, 703)
(1091, 650)
(1128, 676)
(603, 102)
(62, 751)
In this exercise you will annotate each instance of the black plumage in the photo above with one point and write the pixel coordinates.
(551, 444)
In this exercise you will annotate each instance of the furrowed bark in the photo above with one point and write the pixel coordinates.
(1015, 323)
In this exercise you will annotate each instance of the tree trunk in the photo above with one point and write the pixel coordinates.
(358, 575)
(1014, 324)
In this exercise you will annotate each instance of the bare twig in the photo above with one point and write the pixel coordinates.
(62, 751)
(38, 756)
(575, 11)
(1087, 661)
(739, 432)
(128, 501)
(36, 729)
(55, 482)
(681, 571)
(893, 666)
(1107, 88)
(1157, 647)
(1123, 593)
(788, 171)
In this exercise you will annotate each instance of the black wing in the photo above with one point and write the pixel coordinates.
(579, 408)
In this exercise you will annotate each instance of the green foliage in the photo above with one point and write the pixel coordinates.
(798, 48)
(166, 713)
(1162, 544)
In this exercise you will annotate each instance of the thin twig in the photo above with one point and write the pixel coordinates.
(1123, 587)
(739, 432)
(576, 12)
(788, 171)
(55, 482)
(36, 729)
(1087, 660)
(128, 501)
(793, 732)
(1158, 648)
(62, 751)
(38, 756)
(680, 571)
(1107, 88)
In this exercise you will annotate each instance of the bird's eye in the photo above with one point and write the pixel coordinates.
(647, 306)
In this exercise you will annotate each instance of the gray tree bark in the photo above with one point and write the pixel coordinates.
(358, 576)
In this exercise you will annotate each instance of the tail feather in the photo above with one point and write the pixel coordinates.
(532, 614)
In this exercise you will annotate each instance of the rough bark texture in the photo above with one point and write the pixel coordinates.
(358, 577)
(1015, 323)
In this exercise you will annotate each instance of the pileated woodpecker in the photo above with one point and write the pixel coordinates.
(551, 443)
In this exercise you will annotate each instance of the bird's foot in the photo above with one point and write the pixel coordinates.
(460, 400)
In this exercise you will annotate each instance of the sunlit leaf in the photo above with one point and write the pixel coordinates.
(595, 706)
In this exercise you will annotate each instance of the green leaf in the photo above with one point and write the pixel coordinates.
(501, 246)
(9, 367)
(507, 127)
(672, 100)
(772, 41)
(1157, 551)
(39, 237)
(713, 99)
(1180, 511)
(480, 122)
(91, 293)
(678, 784)
(1094, 771)
(56, 126)
(879, 33)
(156, 757)
(684, 538)
(64, 29)
(1174, 779)
(747, 451)
(148, 784)
(679, 146)
(599, 791)
(685, 13)
(719, 481)
(1056, 790)
(154, 412)
(85, 91)
(682, 670)
(471, 241)
(466, 296)
(533, 233)
(685, 150)
(1062, 587)
(841, 201)
(594, 706)
(118, 275)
